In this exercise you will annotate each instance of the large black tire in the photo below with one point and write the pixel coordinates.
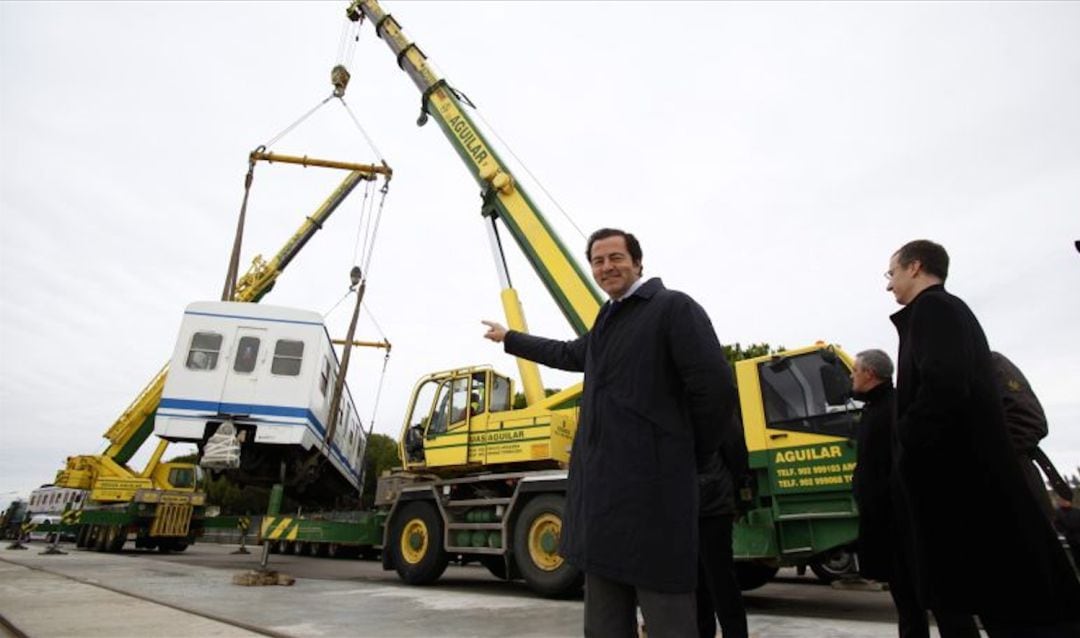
(80, 538)
(753, 575)
(114, 538)
(834, 564)
(100, 540)
(417, 543)
(536, 543)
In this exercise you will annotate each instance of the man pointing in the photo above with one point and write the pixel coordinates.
(657, 397)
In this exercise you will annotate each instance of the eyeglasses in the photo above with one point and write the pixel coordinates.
(888, 274)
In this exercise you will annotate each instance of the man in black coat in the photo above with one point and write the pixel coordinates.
(719, 597)
(979, 542)
(881, 554)
(657, 397)
(1025, 421)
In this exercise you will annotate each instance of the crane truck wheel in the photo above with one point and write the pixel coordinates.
(753, 575)
(536, 545)
(834, 564)
(417, 543)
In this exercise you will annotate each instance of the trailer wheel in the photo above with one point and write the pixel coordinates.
(753, 575)
(418, 536)
(536, 548)
(100, 543)
(80, 538)
(114, 538)
(834, 564)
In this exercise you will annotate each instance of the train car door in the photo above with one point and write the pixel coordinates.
(242, 381)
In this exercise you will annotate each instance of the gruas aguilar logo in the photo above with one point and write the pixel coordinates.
(809, 454)
(468, 137)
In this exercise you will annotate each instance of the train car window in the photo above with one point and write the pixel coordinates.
(203, 354)
(288, 356)
(324, 378)
(247, 354)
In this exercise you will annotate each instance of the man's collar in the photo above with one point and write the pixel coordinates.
(875, 392)
(901, 315)
(630, 291)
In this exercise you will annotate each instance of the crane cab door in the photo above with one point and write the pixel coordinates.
(438, 433)
(241, 387)
(809, 421)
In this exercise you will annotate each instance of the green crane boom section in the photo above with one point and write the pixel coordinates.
(136, 424)
(568, 285)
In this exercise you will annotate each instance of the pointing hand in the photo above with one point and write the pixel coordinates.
(496, 332)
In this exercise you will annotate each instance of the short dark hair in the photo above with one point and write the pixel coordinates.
(632, 244)
(931, 255)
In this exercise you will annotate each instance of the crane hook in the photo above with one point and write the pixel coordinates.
(339, 77)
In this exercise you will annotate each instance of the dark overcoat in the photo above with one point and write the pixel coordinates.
(979, 542)
(657, 392)
(871, 482)
(722, 473)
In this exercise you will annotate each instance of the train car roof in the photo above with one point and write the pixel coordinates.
(241, 310)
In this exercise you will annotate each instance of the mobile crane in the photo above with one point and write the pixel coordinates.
(484, 480)
(160, 505)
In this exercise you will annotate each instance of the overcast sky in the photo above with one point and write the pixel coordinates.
(770, 156)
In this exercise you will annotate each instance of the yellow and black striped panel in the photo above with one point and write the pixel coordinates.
(277, 528)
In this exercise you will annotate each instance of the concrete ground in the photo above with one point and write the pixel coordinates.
(191, 594)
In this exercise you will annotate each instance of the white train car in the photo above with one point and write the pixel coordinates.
(50, 499)
(267, 372)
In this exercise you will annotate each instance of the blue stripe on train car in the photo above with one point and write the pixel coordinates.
(267, 319)
(216, 407)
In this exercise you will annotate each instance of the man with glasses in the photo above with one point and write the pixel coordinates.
(978, 540)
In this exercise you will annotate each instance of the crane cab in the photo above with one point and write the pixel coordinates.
(463, 418)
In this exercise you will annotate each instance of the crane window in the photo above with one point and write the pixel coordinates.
(287, 357)
(247, 354)
(182, 477)
(478, 393)
(203, 354)
(500, 393)
(796, 396)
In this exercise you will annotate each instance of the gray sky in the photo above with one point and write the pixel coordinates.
(770, 156)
